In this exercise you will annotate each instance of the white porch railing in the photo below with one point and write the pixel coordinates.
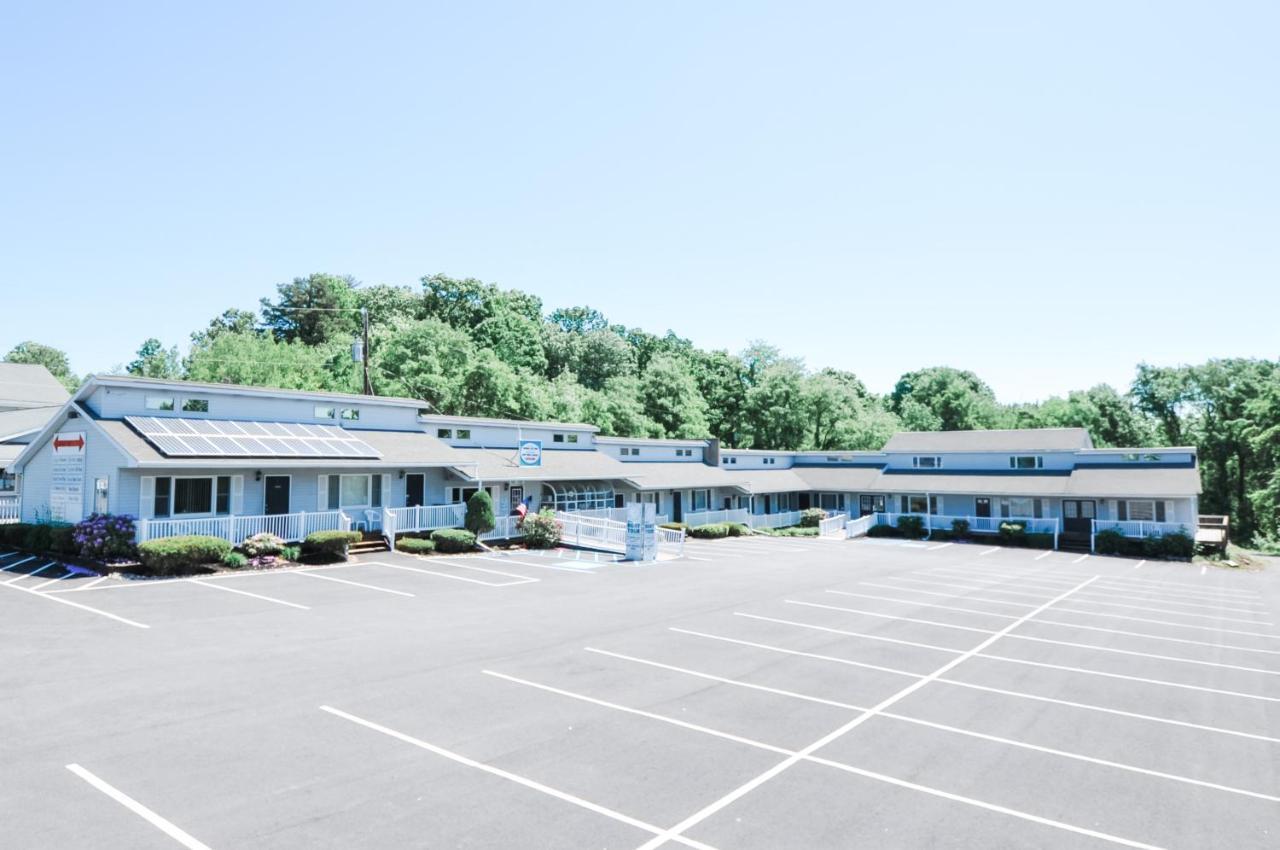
(696, 518)
(860, 526)
(670, 541)
(504, 528)
(977, 524)
(615, 514)
(425, 517)
(1139, 528)
(594, 532)
(832, 525)
(9, 509)
(781, 520)
(291, 528)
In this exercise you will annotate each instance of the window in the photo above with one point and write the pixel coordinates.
(160, 506)
(444, 433)
(159, 402)
(1021, 507)
(926, 462)
(770, 460)
(375, 487)
(728, 460)
(8, 482)
(354, 490)
(1026, 462)
(630, 452)
(684, 452)
(192, 496)
(700, 499)
(351, 414)
(1141, 510)
(464, 433)
(913, 504)
(1135, 457)
(223, 503)
(572, 438)
(324, 412)
(557, 438)
(195, 405)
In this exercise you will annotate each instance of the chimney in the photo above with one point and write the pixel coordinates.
(711, 454)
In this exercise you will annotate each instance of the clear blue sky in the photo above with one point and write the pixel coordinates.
(1043, 193)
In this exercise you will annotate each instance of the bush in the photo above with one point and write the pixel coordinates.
(960, 528)
(542, 530)
(710, 531)
(415, 545)
(455, 539)
(1109, 541)
(737, 529)
(675, 526)
(234, 560)
(479, 518)
(883, 531)
(792, 531)
(39, 538)
(62, 539)
(291, 553)
(1039, 540)
(1174, 545)
(811, 517)
(911, 526)
(1013, 534)
(941, 534)
(330, 543)
(265, 543)
(169, 555)
(105, 537)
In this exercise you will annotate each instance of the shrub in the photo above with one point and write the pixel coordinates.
(265, 543)
(960, 528)
(291, 553)
(940, 534)
(542, 530)
(1039, 540)
(1172, 545)
(479, 518)
(330, 543)
(1109, 541)
(39, 538)
(1013, 534)
(454, 539)
(710, 531)
(234, 560)
(911, 526)
(676, 526)
(737, 529)
(105, 537)
(883, 531)
(62, 538)
(792, 531)
(811, 517)
(169, 555)
(415, 545)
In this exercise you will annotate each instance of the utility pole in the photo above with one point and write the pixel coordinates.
(368, 387)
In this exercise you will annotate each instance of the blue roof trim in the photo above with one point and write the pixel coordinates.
(1171, 464)
(840, 465)
(1016, 473)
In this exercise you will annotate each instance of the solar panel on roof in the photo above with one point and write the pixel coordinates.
(179, 437)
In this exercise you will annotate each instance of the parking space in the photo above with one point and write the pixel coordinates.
(759, 693)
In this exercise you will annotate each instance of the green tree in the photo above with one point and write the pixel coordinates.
(233, 321)
(722, 381)
(1160, 392)
(53, 359)
(672, 400)
(155, 361)
(257, 359)
(317, 309)
(830, 399)
(957, 399)
(775, 416)
(468, 302)
(578, 320)
(514, 337)
(427, 359)
(479, 517)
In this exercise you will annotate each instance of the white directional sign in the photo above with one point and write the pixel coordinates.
(66, 488)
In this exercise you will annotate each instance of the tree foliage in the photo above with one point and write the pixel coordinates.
(53, 359)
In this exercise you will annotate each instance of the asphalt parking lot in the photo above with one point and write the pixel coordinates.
(758, 693)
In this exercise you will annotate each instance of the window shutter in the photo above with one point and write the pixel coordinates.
(1122, 510)
(237, 494)
(147, 497)
(386, 490)
(1160, 512)
(322, 493)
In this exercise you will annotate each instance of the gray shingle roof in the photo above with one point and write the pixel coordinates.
(15, 423)
(557, 465)
(676, 476)
(1015, 440)
(29, 385)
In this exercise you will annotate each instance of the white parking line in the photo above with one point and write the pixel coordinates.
(713, 807)
(1221, 609)
(989, 551)
(961, 684)
(589, 571)
(1183, 589)
(1042, 555)
(1138, 565)
(138, 809)
(1081, 558)
(246, 593)
(1112, 649)
(1204, 568)
(1040, 621)
(106, 614)
(34, 572)
(308, 574)
(1176, 595)
(510, 777)
(8, 567)
(523, 578)
(940, 546)
(52, 581)
(466, 579)
(898, 717)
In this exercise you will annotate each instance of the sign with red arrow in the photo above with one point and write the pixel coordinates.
(68, 441)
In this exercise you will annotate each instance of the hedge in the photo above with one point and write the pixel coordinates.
(792, 531)
(453, 539)
(332, 543)
(911, 526)
(169, 555)
(812, 517)
(710, 531)
(737, 529)
(884, 531)
(415, 545)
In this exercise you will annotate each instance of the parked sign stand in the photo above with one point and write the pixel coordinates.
(642, 537)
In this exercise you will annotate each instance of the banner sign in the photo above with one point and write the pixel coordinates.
(642, 533)
(530, 452)
(66, 487)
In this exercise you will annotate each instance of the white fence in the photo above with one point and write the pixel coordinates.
(504, 528)
(832, 525)
(424, 517)
(9, 509)
(1139, 528)
(670, 541)
(781, 520)
(615, 514)
(236, 529)
(696, 518)
(860, 526)
(595, 532)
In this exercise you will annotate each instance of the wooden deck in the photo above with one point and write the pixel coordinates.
(1214, 531)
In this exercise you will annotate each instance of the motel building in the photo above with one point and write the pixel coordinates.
(233, 461)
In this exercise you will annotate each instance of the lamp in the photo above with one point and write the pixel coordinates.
(402, 473)
(257, 476)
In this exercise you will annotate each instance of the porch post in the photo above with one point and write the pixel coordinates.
(1057, 524)
(1093, 530)
(928, 515)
